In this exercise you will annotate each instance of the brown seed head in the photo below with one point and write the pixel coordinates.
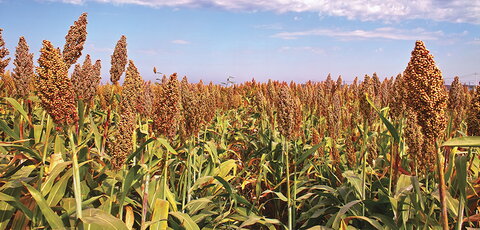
(398, 98)
(414, 140)
(147, 105)
(377, 84)
(122, 145)
(167, 107)
(334, 116)
(132, 88)
(456, 102)
(191, 116)
(53, 86)
(426, 96)
(456, 95)
(367, 89)
(86, 79)
(23, 72)
(3, 53)
(7, 85)
(473, 115)
(74, 41)
(285, 113)
(119, 60)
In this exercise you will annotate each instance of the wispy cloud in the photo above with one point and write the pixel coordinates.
(366, 10)
(475, 41)
(311, 49)
(379, 33)
(180, 42)
(94, 48)
(275, 26)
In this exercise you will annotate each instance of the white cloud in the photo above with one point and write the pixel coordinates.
(302, 49)
(379, 33)
(94, 48)
(475, 41)
(180, 42)
(275, 26)
(365, 10)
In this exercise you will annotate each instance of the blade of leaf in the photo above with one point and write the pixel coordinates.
(185, 220)
(52, 218)
(160, 215)
(102, 219)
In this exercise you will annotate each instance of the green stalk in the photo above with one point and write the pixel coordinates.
(145, 200)
(294, 206)
(45, 149)
(442, 190)
(462, 200)
(364, 165)
(460, 213)
(391, 171)
(77, 190)
(109, 210)
(289, 199)
(145, 185)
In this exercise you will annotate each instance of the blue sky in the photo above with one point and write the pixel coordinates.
(264, 39)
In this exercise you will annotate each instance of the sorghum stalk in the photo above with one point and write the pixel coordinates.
(77, 190)
(287, 124)
(428, 98)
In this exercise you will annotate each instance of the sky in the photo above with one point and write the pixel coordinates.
(285, 40)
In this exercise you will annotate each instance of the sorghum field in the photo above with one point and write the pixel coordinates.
(394, 154)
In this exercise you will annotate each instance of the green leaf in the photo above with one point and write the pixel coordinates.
(354, 179)
(196, 205)
(5, 197)
(70, 207)
(225, 167)
(307, 153)
(8, 130)
(99, 219)
(318, 227)
(6, 213)
(385, 121)
(473, 141)
(18, 107)
(343, 210)
(139, 150)
(225, 184)
(22, 175)
(461, 177)
(185, 220)
(165, 143)
(160, 215)
(45, 189)
(58, 190)
(386, 220)
(52, 218)
(96, 134)
(279, 195)
(374, 223)
(132, 176)
(404, 184)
